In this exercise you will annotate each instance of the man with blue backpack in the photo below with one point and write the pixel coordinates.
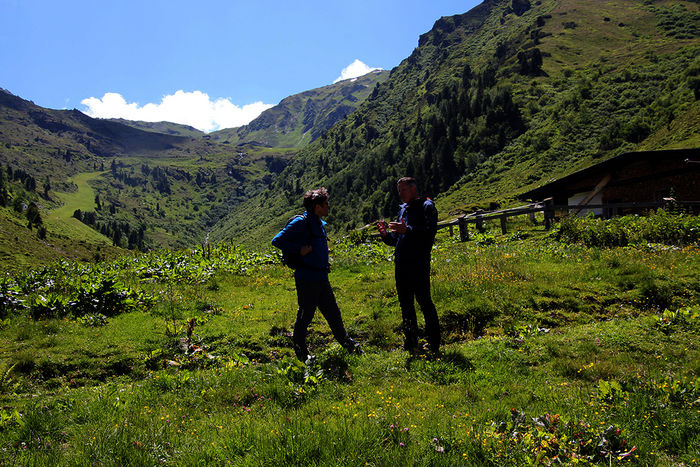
(304, 248)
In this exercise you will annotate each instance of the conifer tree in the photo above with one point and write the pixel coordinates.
(33, 215)
(3, 190)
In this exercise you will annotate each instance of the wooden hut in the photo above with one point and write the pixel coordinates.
(629, 183)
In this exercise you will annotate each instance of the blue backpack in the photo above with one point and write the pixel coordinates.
(293, 259)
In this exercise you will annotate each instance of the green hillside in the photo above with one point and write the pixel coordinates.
(499, 100)
(155, 187)
(167, 128)
(22, 249)
(133, 188)
(300, 119)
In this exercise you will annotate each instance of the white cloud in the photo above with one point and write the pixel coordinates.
(355, 69)
(189, 108)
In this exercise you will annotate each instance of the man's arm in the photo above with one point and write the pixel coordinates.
(389, 238)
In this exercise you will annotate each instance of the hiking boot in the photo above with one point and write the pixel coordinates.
(302, 353)
(353, 347)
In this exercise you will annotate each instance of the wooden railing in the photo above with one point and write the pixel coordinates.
(548, 208)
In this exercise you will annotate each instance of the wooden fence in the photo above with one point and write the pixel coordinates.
(549, 209)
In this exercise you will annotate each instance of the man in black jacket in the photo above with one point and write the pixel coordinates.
(413, 235)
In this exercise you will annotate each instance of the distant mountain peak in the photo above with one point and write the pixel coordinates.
(301, 118)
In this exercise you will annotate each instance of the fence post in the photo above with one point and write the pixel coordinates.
(668, 204)
(463, 229)
(503, 225)
(548, 212)
(479, 222)
(532, 217)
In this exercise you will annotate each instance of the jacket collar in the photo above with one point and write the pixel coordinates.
(314, 218)
(414, 202)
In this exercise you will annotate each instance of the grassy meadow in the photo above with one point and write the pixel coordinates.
(61, 218)
(555, 352)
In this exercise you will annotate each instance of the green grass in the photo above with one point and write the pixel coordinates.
(61, 220)
(83, 197)
(22, 249)
(548, 345)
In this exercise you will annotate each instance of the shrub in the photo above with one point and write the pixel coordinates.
(9, 299)
(660, 227)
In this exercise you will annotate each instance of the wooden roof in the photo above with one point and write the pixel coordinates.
(615, 164)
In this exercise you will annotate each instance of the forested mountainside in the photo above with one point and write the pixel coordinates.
(300, 119)
(142, 184)
(132, 188)
(499, 100)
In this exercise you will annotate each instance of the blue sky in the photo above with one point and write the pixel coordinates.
(208, 63)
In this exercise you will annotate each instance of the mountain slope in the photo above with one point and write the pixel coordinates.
(143, 189)
(168, 128)
(68, 141)
(301, 118)
(497, 100)
(146, 179)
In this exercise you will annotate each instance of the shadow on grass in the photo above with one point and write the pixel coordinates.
(441, 368)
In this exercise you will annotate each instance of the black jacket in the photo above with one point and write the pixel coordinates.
(415, 245)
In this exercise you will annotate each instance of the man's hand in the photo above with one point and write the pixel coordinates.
(305, 250)
(381, 226)
(398, 227)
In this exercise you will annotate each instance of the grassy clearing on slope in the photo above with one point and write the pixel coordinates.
(553, 352)
(83, 197)
(22, 249)
(61, 220)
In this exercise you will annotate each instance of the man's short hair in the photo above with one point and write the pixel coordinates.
(408, 181)
(315, 197)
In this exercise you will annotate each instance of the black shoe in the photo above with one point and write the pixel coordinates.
(356, 349)
(352, 346)
(301, 353)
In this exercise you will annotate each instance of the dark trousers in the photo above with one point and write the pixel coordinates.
(413, 281)
(312, 295)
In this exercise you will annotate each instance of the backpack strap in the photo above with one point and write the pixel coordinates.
(309, 237)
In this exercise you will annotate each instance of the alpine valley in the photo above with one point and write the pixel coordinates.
(491, 103)
(145, 319)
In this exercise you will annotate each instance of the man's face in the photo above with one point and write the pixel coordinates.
(407, 192)
(321, 210)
